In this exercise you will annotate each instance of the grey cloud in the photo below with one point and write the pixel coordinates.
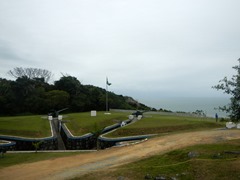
(7, 53)
(174, 47)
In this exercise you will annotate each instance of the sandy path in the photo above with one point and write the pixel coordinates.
(68, 167)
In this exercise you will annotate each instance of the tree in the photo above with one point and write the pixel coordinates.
(36, 103)
(29, 95)
(57, 99)
(199, 113)
(32, 73)
(69, 84)
(231, 87)
(76, 91)
(37, 145)
(7, 97)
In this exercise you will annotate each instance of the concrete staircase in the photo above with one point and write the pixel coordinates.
(55, 126)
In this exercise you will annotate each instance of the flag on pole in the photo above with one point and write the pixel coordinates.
(108, 83)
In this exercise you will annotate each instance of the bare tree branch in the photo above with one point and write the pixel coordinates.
(31, 73)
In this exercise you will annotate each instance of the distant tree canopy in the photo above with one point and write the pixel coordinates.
(31, 73)
(32, 95)
(231, 87)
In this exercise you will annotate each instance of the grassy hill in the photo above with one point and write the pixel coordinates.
(25, 126)
(210, 162)
(160, 124)
(82, 123)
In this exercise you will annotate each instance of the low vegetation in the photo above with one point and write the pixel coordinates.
(11, 159)
(82, 123)
(25, 126)
(159, 124)
(214, 161)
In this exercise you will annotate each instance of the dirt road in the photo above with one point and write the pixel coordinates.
(69, 167)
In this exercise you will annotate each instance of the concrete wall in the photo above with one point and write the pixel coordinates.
(23, 144)
(105, 142)
(114, 126)
(87, 141)
(7, 146)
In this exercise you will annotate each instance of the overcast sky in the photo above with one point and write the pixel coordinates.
(147, 48)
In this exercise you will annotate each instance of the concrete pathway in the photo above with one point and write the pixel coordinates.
(55, 125)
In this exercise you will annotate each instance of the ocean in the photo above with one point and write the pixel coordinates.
(190, 104)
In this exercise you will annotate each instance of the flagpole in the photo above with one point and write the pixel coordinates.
(107, 84)
(106, 95)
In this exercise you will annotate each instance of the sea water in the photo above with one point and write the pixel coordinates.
(209, 105)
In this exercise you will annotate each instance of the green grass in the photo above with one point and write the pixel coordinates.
(158, 124)
(211, 163)
(82, 123)
(25, 126)
(10, 159)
